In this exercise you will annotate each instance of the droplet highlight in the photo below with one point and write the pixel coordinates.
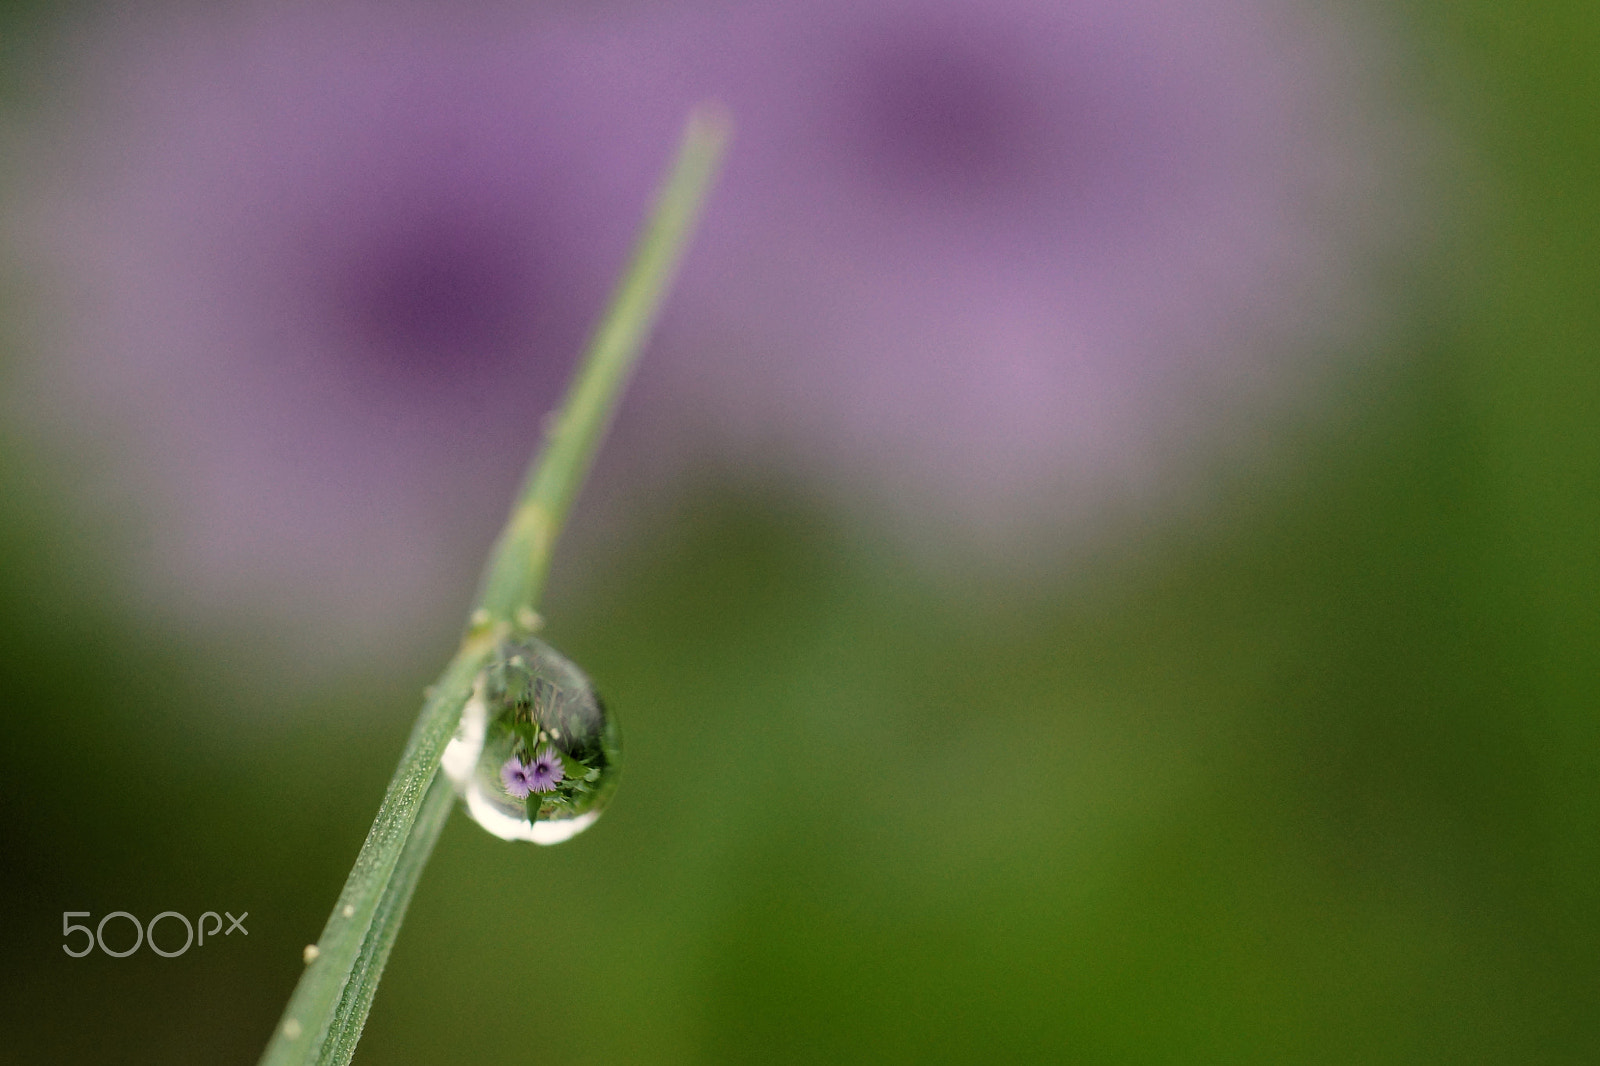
(536, 754)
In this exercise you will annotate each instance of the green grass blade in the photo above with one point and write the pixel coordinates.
(351, 1017)
(328, 1008)
(521, 558)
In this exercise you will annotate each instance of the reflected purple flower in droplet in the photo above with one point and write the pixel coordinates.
(542, 774)
(517, 776)
(546, 771)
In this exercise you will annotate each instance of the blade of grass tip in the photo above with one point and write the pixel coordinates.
(520, 560)
(328, 1008)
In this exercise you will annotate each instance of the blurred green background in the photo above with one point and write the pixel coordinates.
(1315, 779)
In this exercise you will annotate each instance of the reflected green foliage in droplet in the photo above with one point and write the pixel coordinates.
(536, 754)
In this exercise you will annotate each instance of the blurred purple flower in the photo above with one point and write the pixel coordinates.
(998, 260)
(318, 274)
(974, 263)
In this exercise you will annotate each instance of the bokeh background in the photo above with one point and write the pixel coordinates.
(1253, 722)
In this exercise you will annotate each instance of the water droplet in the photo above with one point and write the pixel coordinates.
(536, 755)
